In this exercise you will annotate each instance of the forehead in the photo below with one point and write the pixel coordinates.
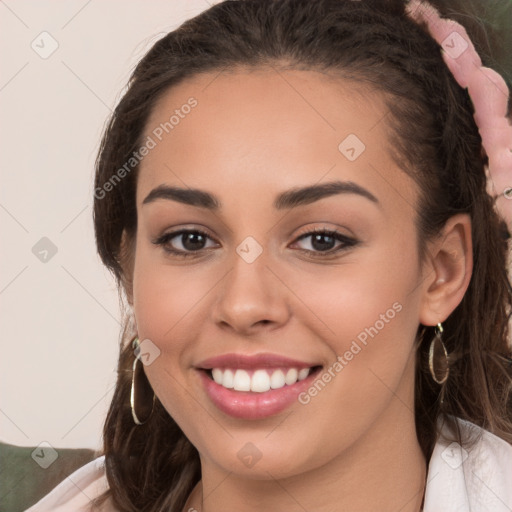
(268, 127)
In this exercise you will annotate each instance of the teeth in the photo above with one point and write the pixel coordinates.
(242, 381)
(277, 380)
(291, 376)
(260, 381)
(228, 379)
(303, 373)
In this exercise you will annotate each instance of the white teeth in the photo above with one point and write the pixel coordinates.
(217, 374)
(303, 373)
(277, 380)
(260, 381)
(242, 381)
(228, 380)
(291, 376)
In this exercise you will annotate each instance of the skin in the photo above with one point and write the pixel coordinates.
(253, 135)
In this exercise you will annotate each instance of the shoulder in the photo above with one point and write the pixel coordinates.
(477, 477)
(75, 493)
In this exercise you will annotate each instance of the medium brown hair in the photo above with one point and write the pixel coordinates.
(433, 137)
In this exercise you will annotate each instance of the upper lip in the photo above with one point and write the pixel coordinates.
(252, 361)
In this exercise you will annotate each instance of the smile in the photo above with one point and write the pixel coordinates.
(255, 397)
(260, 380)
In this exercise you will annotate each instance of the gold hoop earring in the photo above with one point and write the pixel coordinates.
(144, 391)
(439, 374)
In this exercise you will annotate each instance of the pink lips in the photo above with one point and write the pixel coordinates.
(250, 405)
(247, 362)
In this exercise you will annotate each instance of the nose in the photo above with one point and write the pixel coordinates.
(251, 298)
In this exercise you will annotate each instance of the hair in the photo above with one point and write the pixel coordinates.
(433, 138)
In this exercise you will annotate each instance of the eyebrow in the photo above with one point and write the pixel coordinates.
(290, 199)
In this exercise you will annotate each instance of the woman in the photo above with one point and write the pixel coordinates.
(292, 196)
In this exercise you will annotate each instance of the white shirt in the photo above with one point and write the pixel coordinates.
(457, 481)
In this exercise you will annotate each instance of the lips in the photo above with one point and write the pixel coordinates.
(255, 386)
(253, 362)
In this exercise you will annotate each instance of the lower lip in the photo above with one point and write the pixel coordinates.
(251, 405)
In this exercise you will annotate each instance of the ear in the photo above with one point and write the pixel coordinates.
(447, 270)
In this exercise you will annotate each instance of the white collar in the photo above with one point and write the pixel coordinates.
(474, 480)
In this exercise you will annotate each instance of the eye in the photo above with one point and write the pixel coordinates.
(190, 242)
(184, 243)
(323, 242)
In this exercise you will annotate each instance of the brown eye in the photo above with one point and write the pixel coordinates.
(184, 243)
(324, 241)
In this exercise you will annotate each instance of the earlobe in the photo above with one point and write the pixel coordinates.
(447, 270)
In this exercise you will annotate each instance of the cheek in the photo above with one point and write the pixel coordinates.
(367, 313)
(165, 303)
(170, 304)
(164, 295)
(369, 321)
(368, 296)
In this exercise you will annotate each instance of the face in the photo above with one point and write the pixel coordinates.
(276, 241)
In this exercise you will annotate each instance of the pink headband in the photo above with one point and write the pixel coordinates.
(489, 94)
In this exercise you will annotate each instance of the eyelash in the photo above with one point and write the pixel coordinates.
(347, 242)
